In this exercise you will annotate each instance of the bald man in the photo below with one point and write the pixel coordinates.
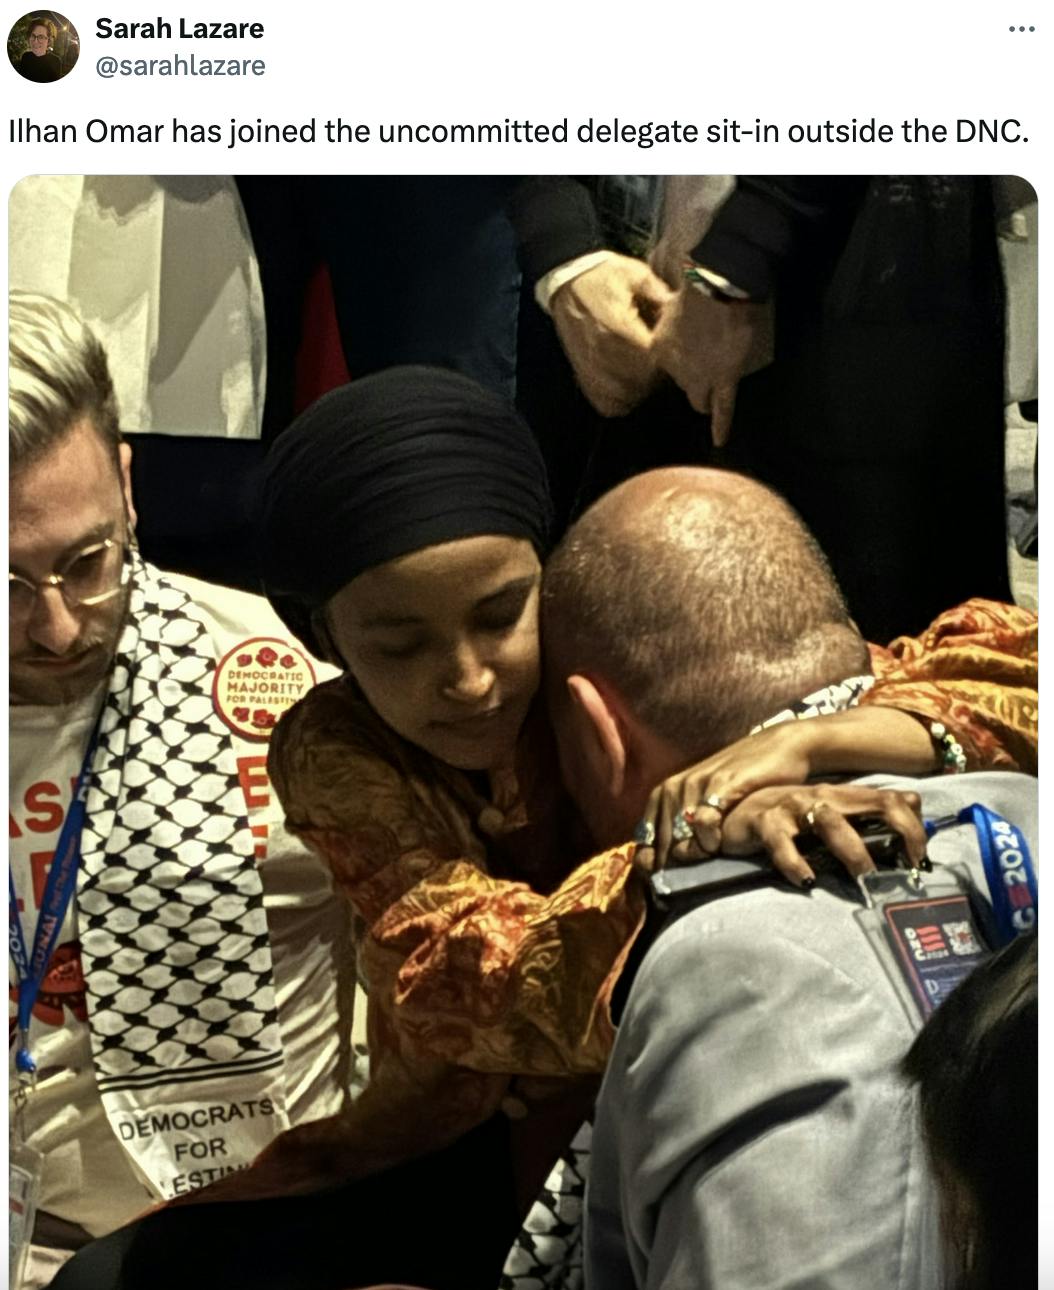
(753, 1130)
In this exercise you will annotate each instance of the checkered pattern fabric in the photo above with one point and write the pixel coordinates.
(173, 931)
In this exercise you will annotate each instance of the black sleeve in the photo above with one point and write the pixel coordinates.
(555, 220)
(769, 221)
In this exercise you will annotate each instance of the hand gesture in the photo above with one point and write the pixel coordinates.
(707, 345)
(605, 319)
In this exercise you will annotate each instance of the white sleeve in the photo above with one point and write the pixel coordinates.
(550, 283)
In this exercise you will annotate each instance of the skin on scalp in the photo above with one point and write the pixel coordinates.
(727, 609)
(724, 611)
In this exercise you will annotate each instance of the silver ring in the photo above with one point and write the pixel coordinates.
(644, 834)
(809, 817)
(681, 831)
(716, 803)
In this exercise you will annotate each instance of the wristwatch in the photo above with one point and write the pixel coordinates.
(713, 284)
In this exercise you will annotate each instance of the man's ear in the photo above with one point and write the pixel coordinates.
(124, 466)
(601, 731)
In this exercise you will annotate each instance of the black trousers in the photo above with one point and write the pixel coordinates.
(445, 1222)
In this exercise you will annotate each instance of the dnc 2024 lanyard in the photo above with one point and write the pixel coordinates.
(30, 969)
(927, 919)
(1007, 866)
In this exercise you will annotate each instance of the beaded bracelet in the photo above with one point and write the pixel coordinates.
(949, 749)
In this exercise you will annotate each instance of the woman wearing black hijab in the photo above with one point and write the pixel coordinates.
(403, 523)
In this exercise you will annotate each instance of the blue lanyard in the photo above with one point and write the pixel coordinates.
(1007, 867)
(62, 879)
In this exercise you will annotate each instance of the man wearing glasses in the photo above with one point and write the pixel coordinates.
(175, 999)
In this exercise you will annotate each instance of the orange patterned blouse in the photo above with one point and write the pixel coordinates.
(488, 952)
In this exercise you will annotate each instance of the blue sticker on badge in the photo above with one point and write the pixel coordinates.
(936, 945)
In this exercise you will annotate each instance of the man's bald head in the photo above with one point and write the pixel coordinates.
(700, 597)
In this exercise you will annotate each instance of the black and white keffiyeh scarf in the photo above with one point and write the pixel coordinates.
(173, 932)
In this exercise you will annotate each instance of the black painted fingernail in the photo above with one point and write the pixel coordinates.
(926, 864)
(808, 884)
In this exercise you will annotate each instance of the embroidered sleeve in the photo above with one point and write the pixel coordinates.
(976, 669)
(483, 972)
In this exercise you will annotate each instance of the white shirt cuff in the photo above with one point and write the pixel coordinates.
(550, 283)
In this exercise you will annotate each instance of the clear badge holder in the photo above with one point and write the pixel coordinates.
(925, 931)
(25, 1166)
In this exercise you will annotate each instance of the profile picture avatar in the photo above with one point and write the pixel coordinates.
(43, 45)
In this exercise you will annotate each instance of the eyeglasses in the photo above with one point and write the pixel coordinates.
(42, 36)
(89, 578)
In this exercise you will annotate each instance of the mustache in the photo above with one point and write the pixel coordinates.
(46, 656)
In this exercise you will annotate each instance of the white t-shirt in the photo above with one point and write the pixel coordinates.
(88, 1178)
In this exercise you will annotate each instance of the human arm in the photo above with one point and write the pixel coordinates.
(766, 224)
(707, 343)
(604, 305)
(604, 318)
(776, 228)
(772, 233)
(974, 669)
(555, 220)
(472, 982)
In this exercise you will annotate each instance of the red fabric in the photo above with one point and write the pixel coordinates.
(320, 365)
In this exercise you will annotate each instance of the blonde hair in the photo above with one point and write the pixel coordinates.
(58, 376)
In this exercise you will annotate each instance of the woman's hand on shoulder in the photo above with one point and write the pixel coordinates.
(691, 805)
(777, 820)
(753, 797)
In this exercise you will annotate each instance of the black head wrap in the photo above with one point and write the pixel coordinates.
(390, 464)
